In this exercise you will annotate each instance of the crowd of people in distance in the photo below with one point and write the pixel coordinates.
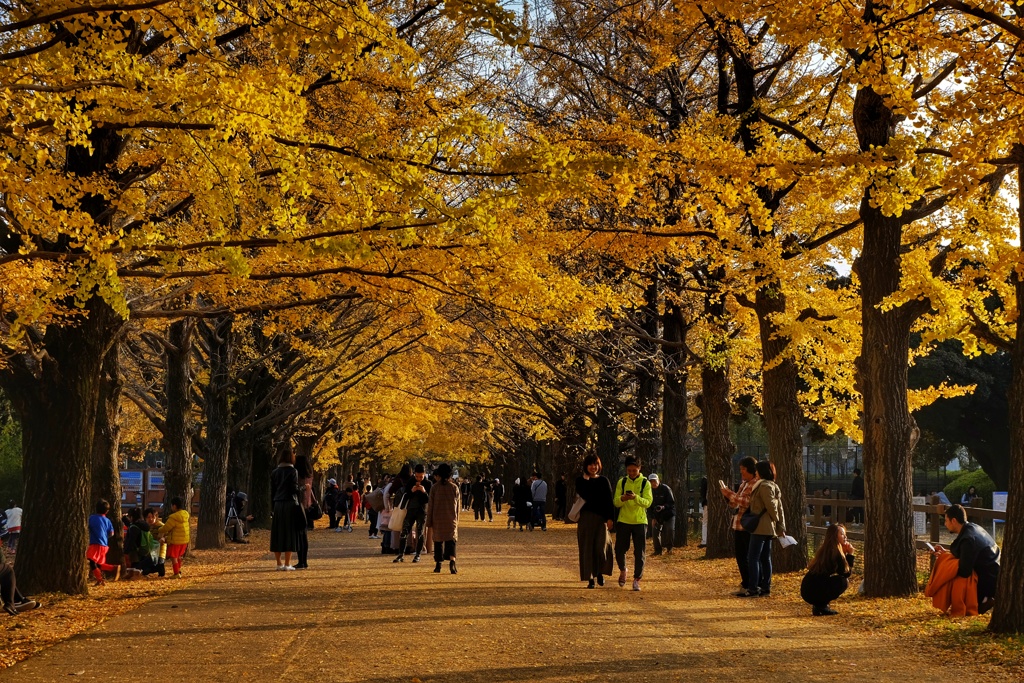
(416, 511)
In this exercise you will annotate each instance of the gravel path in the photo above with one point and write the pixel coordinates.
(515, 612)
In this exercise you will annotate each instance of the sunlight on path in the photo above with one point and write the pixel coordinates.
(515, 612)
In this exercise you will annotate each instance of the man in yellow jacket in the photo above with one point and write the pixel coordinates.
(632, 495)
(176, 531)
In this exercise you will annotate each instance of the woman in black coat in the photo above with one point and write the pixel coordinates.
(288, 518)
(597, 518)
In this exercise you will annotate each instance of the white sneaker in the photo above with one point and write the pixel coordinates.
(280, 567)
(288, 568)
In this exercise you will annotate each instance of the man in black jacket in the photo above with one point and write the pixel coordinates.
(663, 521)
(976, 552)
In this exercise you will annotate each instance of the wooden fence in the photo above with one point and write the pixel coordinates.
(935, 511)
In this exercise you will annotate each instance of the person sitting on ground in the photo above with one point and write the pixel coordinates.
(101, 530)
(13, 601)
(177, 533)
(828, 574)
(141, 548)
(976, 553)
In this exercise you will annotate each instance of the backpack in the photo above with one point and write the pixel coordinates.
(622, 486)
(148, 546)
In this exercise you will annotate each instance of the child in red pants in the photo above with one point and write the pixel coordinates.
(176, 531)
(100, 531)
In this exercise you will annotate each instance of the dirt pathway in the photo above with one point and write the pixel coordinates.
(515, 612)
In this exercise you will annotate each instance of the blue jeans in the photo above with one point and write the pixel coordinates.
(539, 516)
(759, 557)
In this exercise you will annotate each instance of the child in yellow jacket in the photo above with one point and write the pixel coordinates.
(176, 531)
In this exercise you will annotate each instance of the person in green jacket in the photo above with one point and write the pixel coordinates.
(632, 495)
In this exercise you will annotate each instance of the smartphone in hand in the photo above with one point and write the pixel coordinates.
(721, 484)
(930, 547)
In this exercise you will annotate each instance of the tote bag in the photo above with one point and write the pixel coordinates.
(398, 516)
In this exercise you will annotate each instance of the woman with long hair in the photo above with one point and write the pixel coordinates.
(766, 501)
(597, 518)
(828, 574)
(304, 472)
(285, 488)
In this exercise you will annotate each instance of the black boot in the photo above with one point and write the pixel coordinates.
(451, 567)
(437, 568)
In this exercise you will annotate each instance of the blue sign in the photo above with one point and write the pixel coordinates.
(131, 481)
(156, 480)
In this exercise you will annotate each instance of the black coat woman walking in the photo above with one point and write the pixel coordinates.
(596, 520)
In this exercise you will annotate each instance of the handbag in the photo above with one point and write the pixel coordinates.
(375, 499)
(750, 520)
(576, 509)
(314, 511)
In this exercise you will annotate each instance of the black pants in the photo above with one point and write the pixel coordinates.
(819, 590)
(444, 550)
(303, 547)
(742, 539)
(373, 521)
(415, 516)
(332, 515)
(662, 533)
(637, 533)
(9, 586)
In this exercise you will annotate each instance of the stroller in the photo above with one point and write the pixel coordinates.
(236, 526)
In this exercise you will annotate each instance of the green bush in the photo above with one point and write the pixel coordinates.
(983, 486)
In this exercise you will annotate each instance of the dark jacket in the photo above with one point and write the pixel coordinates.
(857, 488)
(284, 484)
(479, 491)
(664, 499)
(331, 497)
(977, 552)
(597, 493)
(418, 499)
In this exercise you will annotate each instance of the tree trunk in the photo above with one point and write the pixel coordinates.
(607, 427)
(56, 396)
(890, 558)
(212, 502)
(718, 452)
(648, 433)
(783, 418)
(674, 422)
(240, 460)
(260, 503)
(1008, 614)
(106, 477)
(178, 392)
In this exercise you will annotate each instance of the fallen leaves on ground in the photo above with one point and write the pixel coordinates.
(63, 616)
